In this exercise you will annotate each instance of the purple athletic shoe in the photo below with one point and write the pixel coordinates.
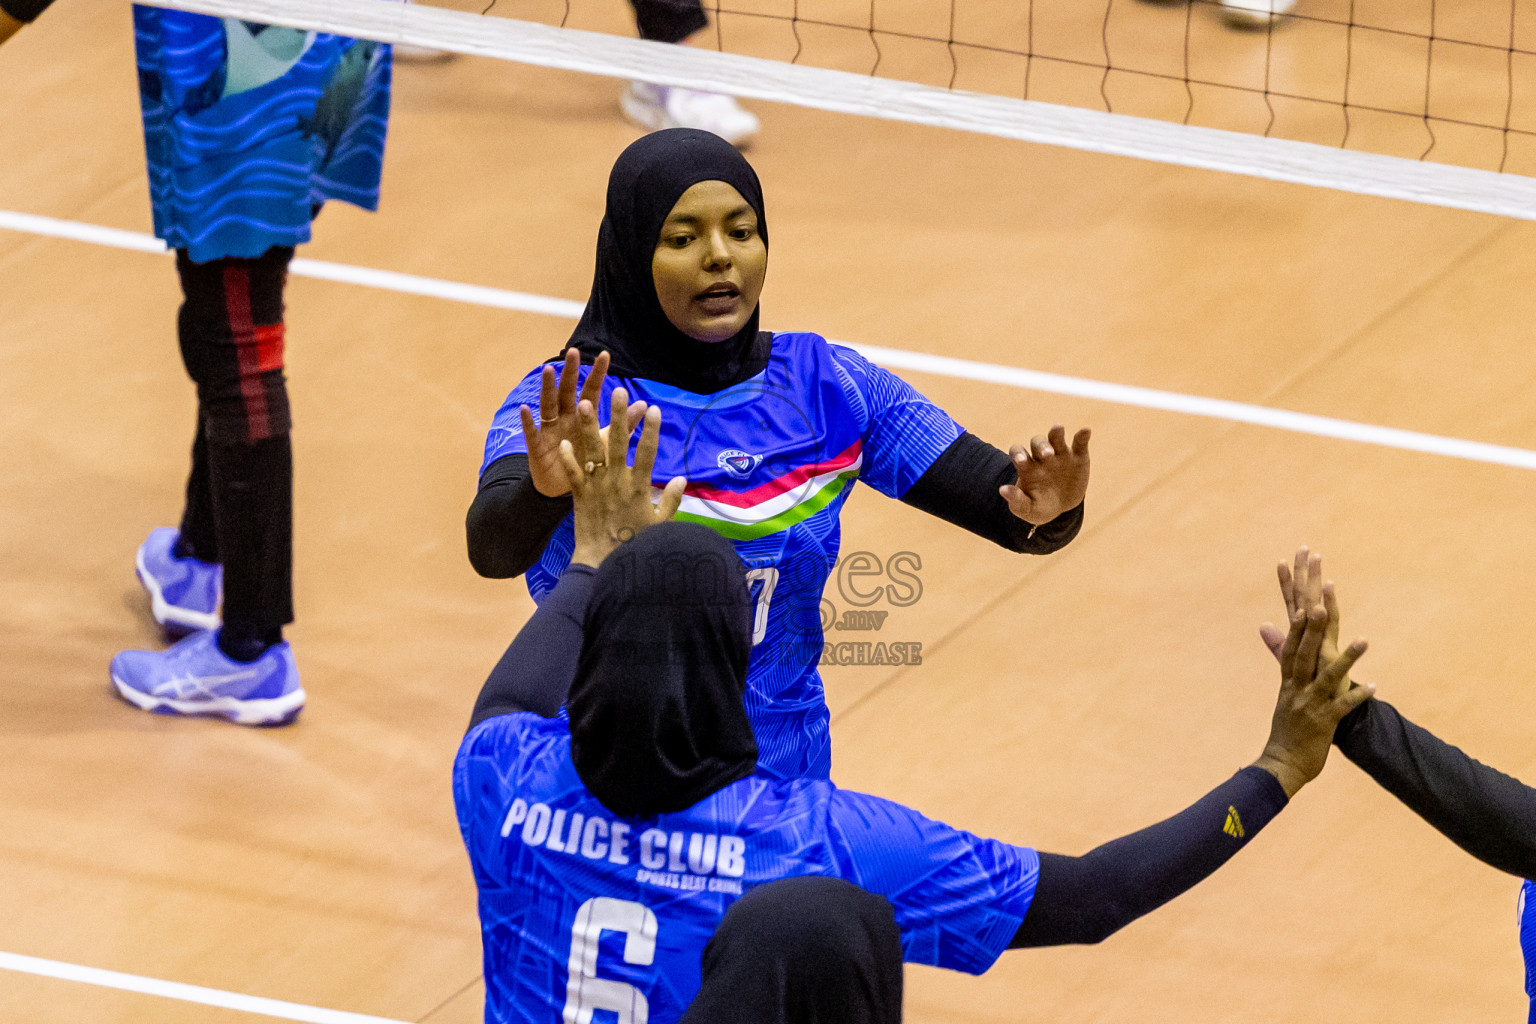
(184, 593)
(194, 677)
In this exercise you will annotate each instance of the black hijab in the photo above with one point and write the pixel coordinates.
(623, 314)
(805, 950)
(657, 719)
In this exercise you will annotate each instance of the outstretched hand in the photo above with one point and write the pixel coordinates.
(612, 497)
(557, 421)
(1315, 690)
(1052, 478)
(1303, 587)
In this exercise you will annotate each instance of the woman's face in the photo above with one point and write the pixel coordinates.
(710, 262)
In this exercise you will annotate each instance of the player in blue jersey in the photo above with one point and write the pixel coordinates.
(770, 429)
(608, 845)
(1485, 812)
(248, 130)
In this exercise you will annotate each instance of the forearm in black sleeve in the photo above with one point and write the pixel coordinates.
(961, 488)
(24, 10)
(1482, 810)
(1087, 899)
(536, 672)
(510, 522)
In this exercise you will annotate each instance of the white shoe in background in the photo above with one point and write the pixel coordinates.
(654, 107)
(1255, 13)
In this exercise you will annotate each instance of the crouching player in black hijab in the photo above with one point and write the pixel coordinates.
(1488, 814)
(608, 848)
(807, 950)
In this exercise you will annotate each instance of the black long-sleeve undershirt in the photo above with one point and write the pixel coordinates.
(510, 522)
(1485, 812)
(961, 488)
(537, 670)
(1087, 899)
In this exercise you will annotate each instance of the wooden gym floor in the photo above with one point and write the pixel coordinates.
(1061, 701)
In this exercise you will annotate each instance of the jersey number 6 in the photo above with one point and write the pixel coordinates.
(584, 990)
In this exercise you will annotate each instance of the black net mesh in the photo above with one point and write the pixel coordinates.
(1453, 82)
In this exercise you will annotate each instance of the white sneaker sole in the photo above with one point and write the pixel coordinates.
(270, 711)
(168, 614)
(652, 118)
(645, 115)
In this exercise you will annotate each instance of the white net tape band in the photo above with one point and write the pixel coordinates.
(1095, 131)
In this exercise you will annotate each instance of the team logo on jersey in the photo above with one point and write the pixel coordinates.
(737, 462)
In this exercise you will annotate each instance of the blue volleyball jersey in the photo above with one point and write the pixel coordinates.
(582, 911)
(1526, 915)
(247, 127)
(769, 463)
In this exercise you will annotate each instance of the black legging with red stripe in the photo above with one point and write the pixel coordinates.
(239, 509)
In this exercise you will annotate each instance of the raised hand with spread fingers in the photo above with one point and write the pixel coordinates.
(613, 498)
(1052, 478)
(1315, 694)
(1303, 587)
(558, 421)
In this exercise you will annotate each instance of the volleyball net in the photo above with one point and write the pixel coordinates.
(1422, 100)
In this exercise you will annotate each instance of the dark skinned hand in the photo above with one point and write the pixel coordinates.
(1302, 587)
(557, 422)
(1315, 694)
(1052, 478)
(613, 498)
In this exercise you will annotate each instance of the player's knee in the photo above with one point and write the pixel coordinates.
(246, 409)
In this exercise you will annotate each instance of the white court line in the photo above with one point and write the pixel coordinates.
(186, 993)
(388, 280)
(1195, 405)
(944, 366)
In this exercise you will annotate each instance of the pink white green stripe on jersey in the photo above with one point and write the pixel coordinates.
(776, 505)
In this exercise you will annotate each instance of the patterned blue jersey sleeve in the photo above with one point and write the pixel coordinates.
(959, 899)
(506, 434)
(483, 773)
(903, 431)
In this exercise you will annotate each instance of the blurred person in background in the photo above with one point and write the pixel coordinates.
(653, 107)
(249, 130)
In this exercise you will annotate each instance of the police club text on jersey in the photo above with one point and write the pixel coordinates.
(671, 860)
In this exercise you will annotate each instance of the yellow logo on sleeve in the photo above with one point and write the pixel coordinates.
(1234, 825)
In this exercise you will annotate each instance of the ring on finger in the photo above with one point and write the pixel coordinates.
(595, 465)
